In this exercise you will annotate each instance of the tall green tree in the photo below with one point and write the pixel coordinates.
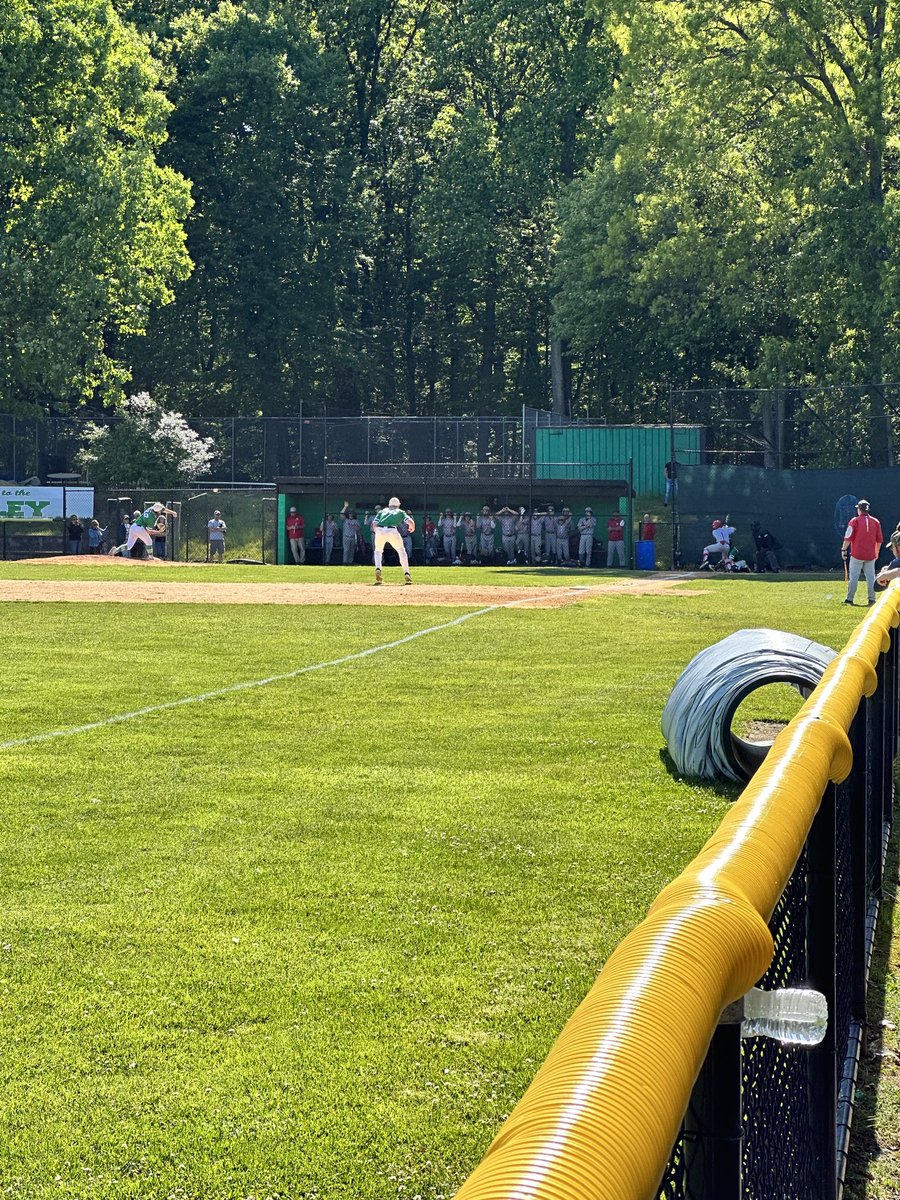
(91, 236)
(742, 228)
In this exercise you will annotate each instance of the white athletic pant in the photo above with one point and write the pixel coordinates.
(537, 542)
(550, 546)
(509, 546)
(861, 566)
(615, 550)
(349, 550)
(715, 548)
(328, 548)
(137, 533)
(522, 544)
(390, 537)
(450, 546)
(586, 548)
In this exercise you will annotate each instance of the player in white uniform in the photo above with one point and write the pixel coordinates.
(349, 533)
(386, 532)
(550, 534)
(509, 518)
(485, 524)
(470, 537)
(721, 543)
(522, 535)
(586, 526)
(446, 528)
(536, 530)
(563, 531)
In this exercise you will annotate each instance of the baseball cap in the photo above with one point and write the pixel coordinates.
(216, 513)
(393, 502)
(863, 505)
(293, 510)
(157, 507)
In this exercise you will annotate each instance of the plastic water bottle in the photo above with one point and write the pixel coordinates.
(797, 1016)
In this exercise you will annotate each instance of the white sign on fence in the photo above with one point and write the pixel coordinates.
(44, 503)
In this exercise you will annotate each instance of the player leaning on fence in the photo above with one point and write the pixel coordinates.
(386, 532)
(862, 542)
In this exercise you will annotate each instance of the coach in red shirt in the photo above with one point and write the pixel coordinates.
(862, 542)
(615, 539)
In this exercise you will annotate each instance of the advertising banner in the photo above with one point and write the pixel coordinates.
(44, 503)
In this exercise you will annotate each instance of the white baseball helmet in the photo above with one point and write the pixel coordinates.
(157, 507)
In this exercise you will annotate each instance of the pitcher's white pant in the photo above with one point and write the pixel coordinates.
(137, 533)
(586, 548)
(861, 566)
(390, 537)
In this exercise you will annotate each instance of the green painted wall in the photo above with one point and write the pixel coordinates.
(602, 452)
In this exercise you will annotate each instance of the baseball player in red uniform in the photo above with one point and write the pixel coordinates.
(861, 544)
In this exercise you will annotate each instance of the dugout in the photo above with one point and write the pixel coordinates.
(430, 495)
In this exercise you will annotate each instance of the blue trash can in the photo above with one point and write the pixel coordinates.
(645, 556)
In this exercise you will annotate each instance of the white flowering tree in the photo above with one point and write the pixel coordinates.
(146, 447)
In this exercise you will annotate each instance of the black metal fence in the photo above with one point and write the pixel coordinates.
(770, 1121)
(252, 449)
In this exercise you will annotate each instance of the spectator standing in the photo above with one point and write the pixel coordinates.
(215, 532)
(615, 539)
(586, 526)
(447, 532)
(350, 534)
(95, 538)
(861, 544)
(671, 471)
(160, 531)
(74, 533)
(485, 524)
(536, 534)
(295, 526)
(647, 529)
(509, 519)
(329, 533)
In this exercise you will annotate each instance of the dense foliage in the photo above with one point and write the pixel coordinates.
(427, 206)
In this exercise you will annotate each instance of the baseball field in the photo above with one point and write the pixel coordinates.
(301, 880)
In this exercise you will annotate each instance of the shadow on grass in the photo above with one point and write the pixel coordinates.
(865, 1144)
(723, 789)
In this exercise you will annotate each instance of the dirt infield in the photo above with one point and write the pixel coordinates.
(148, 591)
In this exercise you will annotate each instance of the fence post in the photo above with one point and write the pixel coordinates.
(821, 940)
(713, 1124)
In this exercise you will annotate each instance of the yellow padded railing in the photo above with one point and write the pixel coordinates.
(600, 1117)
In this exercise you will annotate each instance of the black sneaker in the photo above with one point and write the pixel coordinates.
(850, 602)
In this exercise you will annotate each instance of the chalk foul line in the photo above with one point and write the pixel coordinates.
(118, 718)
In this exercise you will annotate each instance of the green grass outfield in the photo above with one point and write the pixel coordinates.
(312, 939)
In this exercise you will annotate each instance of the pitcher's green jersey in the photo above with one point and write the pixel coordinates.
(390, 518)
